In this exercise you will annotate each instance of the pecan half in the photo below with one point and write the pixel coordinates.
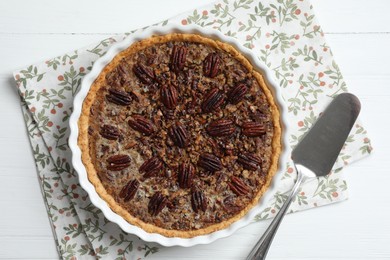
(118, 97)
(221, 127)
(109, 132)
(141, 124)
(198, 201)
(213, 99)
(249, 161)
(237, 93)
(157, 203)
(211, 65)
(168, 114)
(119, 76)
(118, 162)
(210, 162)
(129, 190)
(230, 204)
(253, 129)
(151, 167)
(178, 134)
(145, 74)
(178, 58)
(238, 186)
(186, 175)
(169, 96)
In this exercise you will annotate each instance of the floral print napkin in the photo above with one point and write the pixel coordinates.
(285, 36)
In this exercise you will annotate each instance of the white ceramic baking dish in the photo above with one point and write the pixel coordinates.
(79, 166)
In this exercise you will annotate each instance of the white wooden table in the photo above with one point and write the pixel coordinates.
(358, 32)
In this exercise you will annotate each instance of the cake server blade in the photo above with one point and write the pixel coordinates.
(320, 147)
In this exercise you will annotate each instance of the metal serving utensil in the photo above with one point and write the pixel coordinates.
(315, 156)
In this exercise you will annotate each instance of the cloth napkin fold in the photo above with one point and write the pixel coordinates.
(284, 34)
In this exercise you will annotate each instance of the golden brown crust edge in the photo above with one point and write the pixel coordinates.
(83, 124)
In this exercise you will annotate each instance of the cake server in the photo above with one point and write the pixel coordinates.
(314, 156)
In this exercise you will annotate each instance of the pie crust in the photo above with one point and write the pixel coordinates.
(90, 135)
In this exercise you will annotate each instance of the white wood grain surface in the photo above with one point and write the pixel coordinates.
(359, 34)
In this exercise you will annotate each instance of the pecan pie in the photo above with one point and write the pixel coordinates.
(180, 135)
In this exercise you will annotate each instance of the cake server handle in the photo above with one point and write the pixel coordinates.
(260, 250)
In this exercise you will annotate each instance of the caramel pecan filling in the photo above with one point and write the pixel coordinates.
(181, 135)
